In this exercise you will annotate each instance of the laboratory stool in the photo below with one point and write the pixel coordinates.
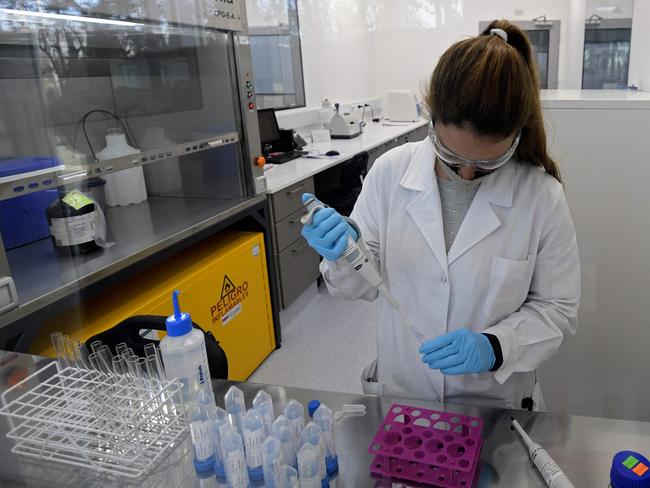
(128, 331)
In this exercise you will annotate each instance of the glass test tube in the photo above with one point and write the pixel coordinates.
(120, 348)
(95, 345)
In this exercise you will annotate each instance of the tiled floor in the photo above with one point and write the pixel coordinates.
(326, 342)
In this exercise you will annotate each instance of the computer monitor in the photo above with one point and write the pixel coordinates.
(269, 130)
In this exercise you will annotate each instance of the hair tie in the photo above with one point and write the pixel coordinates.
(499, 32)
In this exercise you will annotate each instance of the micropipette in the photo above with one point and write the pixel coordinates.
(550, 471)
(362, 264)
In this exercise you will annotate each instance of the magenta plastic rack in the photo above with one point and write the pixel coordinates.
(429, 447)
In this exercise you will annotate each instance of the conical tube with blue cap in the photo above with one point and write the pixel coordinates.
(325, 420)
(183, 353)
(201, 432)
(253, 435)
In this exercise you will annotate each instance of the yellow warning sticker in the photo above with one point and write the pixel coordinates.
(77, 200)
(230, 304)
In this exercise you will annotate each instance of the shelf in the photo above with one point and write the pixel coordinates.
(42, 277)
(18, 185)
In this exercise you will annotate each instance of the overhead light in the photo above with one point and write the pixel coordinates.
(605, 8)
(72, 18)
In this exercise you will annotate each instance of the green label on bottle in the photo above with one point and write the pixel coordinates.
(630, 462)
(77, 200)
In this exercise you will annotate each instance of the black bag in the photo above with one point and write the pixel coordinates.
(128, 331)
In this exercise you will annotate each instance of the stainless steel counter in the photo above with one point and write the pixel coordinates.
(582, 446)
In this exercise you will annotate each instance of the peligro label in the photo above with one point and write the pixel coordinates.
(72, 231)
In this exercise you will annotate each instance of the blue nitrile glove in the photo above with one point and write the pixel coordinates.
(328, 232)
(459, 352)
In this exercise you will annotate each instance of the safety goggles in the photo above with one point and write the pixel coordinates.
(452, 159)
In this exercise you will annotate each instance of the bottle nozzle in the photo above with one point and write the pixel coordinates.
(177, 307)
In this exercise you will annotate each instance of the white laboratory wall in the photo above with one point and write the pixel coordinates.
(359, 49)
(640, 46)
(337, 50)
(267, 13)
(412, 34)
(612, 9)
(604, 158)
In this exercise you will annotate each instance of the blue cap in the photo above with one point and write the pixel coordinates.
(205, 466)
(332, 463)
(630, 470)
(312, 406)
(219, 469)
(180, 323)
(256, 474)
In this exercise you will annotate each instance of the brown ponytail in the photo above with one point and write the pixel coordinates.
(493, 86)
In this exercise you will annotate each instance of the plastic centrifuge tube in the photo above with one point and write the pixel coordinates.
(263, 403)
(295, 412)
(325, 420)
(272, 462)
(309, 468)
(281, 430)
(235, 406)
(219, 421)
(253, 435)
(201, 432)
(234, 459)
(289, 478)
(313, 435)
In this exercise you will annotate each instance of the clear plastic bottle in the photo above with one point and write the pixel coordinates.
(235, 406)
(183, 353)
(253, 434)
(325, 420)
(201, 432)
(219, 420)
(281, 430)
(234, 459)
(312, 435)
(295, 412)
(263, 403)
(272, 462)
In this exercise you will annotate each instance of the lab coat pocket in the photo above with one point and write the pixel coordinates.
(509, 286)
(369, 382)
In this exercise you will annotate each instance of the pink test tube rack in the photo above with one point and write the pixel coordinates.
(428, 447)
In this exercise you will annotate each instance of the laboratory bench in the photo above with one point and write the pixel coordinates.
(582, 446)
(296, 263)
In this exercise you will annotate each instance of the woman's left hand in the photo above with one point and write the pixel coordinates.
(459, 352)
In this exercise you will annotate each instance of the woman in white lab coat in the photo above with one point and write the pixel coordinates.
(472, 234)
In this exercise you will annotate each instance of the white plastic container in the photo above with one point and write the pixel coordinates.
(183, 352)
(128, 185)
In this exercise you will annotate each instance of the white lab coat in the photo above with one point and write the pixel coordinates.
(512, 271)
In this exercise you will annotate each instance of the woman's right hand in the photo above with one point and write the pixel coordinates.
(328, 232)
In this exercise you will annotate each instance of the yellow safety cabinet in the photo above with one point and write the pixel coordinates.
(224, 286)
